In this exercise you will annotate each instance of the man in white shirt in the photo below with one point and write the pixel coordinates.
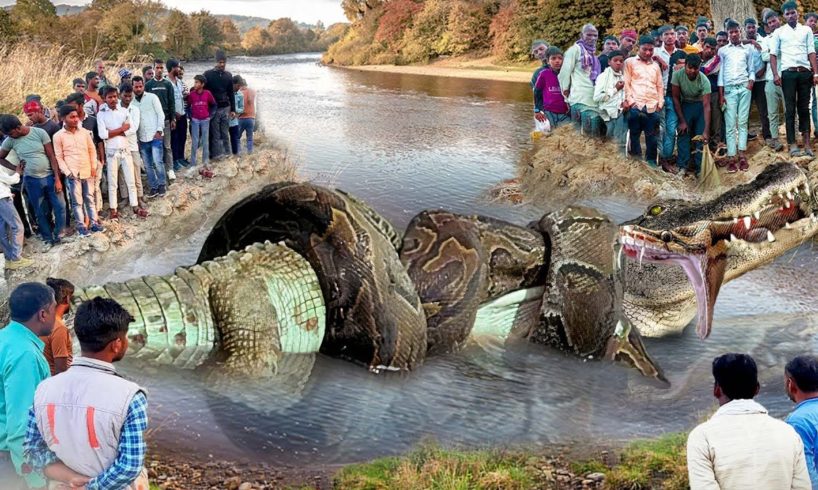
(126, 101)
(151, 136)
(742, 447)
(792, 57)
(668, 122)
(773, 92)
(114, 125)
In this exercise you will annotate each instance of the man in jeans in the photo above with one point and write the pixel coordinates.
(644, 99)
(77, 156)
(90, 123)
(150, 135)
(247, 119)
(11, 226)
(33, 146)
(759, 97)
(773, 92)
(179, 133)
(126, 100)
(163, 89)
(736, 79)
(114, 127)
(792, 54)
(220, 84)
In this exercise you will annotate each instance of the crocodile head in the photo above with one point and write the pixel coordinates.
(718, 240)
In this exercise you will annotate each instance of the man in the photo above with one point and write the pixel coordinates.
(691, 101)
(721, 40)
(220, 84)
(91, 396)
(758, 97)
(179, 132)
(247, 118)
(538, 50)
(702, 33)
(736, 79)
(93, 100)
(580, 69)
(792, 57)
(147, 73)
(77, 158)
(682, 33)
(627, 40)
(89, 123)
(644, 99)
(151, 136)
(163, 89)
(99, 65)
(801, 383)
(711, 65)
(22, 367)
(79, 86)
(772, 92)
(126, 97)
(12, 234)
(40, 177)
(114, 128)
(611, 43)
(58, 350)
(36, 118)
(668, 57)
(742, 447)
(125, 76)
(811, 21)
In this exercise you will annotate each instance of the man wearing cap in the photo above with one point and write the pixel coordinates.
(125, 76)
(644, 99)
(759, 97)
(35, 113)
(220, 84)
(627, 40)
(611, 43)
(580, 69)
(792, 56)
(772, 92)
(736, 79)
(682, 34)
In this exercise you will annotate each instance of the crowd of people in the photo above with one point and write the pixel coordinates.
(684, 91)
(106, 136)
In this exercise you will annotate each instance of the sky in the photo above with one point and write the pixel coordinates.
(308, 11)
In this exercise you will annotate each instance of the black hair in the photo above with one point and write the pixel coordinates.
(75, 98)
(551, 51)
(100, 321)
(28, 299)
(737, 375)
(237, 80)
(731, 24)
(721, 33)
(137, 79)
(126, 88)
(804, 371)
(693, 61)
(109, 89)
(78, 81)
(59, 104)
(90, 76)
(220, 56)
(613, 54)
(810, 15)
(711, 41)
(66, 109)
(146, 69)
(171, 64)
(158, 61)
(200, 78)
(789, 6)
(9, 123)
(63, 290)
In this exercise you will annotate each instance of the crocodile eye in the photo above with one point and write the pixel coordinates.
(656, 210)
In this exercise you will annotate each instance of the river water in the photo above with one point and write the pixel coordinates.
(406, 143)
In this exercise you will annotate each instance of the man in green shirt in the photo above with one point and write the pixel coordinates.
(691, 99)
(22, 368)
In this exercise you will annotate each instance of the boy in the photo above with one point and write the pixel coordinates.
(114, 129)
(247, 118)
(609, 93)
(549, 103)
(691, 101)
(234, 121)
(87, 424)
(77, 158)
(202, 105)
(58, 349)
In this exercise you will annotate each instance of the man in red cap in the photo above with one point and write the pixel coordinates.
(627, 40)
(35, 113)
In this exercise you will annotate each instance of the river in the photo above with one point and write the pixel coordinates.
(404, 143)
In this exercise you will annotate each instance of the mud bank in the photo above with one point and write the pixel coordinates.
(477, 69)
(567, 166)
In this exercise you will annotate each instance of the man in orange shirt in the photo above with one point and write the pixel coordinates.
(58, 350)
(644, 100)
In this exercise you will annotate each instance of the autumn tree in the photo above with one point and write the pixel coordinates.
(256, 41)
(210, 33)
(285, 36)
(357, 9)
(231, 35)
(8, 30)
(181, 39)
(426, 38)
(395, 20)
(35, 18)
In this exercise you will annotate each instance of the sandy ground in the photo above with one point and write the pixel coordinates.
(480, 69)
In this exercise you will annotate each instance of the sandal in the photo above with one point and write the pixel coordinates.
(742, 164)
(206, 173)
(141, 213)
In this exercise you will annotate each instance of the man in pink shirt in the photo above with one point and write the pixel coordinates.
(644, 99)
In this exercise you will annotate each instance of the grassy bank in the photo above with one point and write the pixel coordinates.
(658, 463)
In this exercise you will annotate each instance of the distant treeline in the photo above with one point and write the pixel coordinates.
(411, 31)
(128, 28)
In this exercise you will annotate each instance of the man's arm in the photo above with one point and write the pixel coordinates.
(660, 88)
(60, 154)
(92, 152)
(3, 154)
(131, 450)
(676, 92)
(61, 348)
(231, 96)
(565, 72)
(160, 114)
(626, 72)
(171, 100)
(135, 117)
(55, 167)
(19, 396)
(699, 465)
(802, 476)
(706, 107)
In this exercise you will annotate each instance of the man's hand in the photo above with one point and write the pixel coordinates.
(705, 137)
(57, 184)
(661, 62)
(750, 85)
(565, 93)
(172, 124)
(815, 79)
(158, 135)
(682, 127)
(722, 101)
(232, 115)
(777, 80)
(626, 106)
(125, 127)
(539, 117)
(620, 85)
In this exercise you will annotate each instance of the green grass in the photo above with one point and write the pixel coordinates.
(433, 467)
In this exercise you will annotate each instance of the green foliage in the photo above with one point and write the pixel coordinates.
(209, 30)
(181, 38)
(427, 37)
(8, 30)
(35, 18)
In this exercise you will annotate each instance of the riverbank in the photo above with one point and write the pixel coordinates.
(457, 67)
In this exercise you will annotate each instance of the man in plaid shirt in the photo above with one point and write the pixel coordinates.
(71, 435)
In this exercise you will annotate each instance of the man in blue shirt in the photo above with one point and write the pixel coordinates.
(801, 378)
(22, 368)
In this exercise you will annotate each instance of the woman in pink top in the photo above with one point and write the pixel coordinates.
(202, 105)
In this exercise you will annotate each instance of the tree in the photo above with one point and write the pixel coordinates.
(35, 18)
(231, 35)
(181, 39)
(357, 9)
(8, 30)
(285, 37)
(256, 41)
(210, 32)
(735, 9)
(103, 5)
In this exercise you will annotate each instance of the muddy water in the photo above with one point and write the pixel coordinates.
(403, 144)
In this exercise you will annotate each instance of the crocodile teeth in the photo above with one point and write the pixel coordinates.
(770, 236)
(787, 204)
(733, 238)
(747, 222)
(806, 188)
(789, 195)
(787, 225)
(628, 228)
(641, 254)
(735, 220)
(757, 215)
